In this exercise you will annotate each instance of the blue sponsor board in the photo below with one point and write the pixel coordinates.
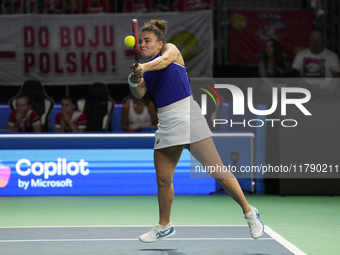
(92, 172)
(101, 164)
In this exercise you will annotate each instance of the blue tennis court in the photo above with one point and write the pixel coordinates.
(124, 240)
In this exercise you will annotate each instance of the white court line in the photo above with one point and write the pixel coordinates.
(125, 239)
(283, 241)
(218, 238)
(65, 240)
(118, 226)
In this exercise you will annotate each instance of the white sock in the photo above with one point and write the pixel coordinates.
(249, 213)
(164, 227)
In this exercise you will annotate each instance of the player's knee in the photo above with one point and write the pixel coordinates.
(163, 182)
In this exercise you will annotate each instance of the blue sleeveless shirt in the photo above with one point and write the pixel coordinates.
(168, 85)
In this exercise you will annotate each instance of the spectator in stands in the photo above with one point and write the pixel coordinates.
(139, 5)
(95, 6)
(33, 6)
(163, 5)
(70, 119)
(138, 113)
(23, 118)
(318, 62)
(11, 7)
(62, 6)
(191, 5)
(273, 65)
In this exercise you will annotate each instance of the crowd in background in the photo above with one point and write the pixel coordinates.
(272, 65)
(100, 6)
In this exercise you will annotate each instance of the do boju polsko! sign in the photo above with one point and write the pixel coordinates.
(82, 49)
(249, 29)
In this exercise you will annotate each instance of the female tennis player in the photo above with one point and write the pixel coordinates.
(164, 76)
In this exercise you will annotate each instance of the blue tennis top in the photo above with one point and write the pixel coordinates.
(168, 85)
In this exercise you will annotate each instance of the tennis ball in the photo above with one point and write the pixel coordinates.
(129, 41)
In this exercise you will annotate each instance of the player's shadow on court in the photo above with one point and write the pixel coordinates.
(163, 251)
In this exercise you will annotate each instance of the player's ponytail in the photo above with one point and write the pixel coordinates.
(161, 24)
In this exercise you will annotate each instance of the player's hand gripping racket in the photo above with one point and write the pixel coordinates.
(135, 34)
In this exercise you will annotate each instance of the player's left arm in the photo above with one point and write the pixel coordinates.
(139, 90)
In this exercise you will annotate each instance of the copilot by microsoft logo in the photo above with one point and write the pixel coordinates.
(61, 168)
(239, 104)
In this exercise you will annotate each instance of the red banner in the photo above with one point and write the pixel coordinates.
(83, 49)
(248, 30)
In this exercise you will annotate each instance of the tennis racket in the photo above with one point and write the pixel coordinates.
(135, 34)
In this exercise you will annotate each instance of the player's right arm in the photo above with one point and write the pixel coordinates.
(140, 90)
(170, 54)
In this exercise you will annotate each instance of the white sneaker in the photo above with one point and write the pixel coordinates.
(255, 224)
(158, 233)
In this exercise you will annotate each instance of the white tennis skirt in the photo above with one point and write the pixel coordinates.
(181, 123)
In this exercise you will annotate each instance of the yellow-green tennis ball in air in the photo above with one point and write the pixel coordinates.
(129, 41)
